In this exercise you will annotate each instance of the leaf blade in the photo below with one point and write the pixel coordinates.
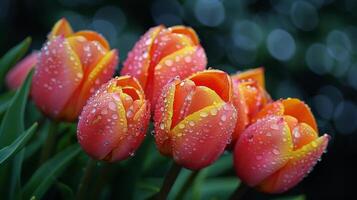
(7, 152)
(12, 56)
(43, 178)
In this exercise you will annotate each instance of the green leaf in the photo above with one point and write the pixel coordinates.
(43, 178)
(218, 188)
(11, 150)
(298, 197)
(5, 100)
(11, 58)
(65, 190)
(13, 122)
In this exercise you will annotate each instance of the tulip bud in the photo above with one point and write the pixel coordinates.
(280, 147)
(194, 118)
(16, 76)
(249, 97)
(113, 123)
(71, 67)
(161, 55)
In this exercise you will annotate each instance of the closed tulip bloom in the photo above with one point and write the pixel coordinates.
(280, 148)
(162, 54)
(194, 118)
(113, 123)
(71, 66)
(249, 97)
(18, 73)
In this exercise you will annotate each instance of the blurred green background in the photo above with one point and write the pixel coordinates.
(308, 49)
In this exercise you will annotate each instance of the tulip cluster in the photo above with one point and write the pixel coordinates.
(197, 113)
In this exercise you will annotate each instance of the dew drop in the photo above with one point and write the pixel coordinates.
(203, 114)
(112, 106)
(214, 111)
(162, 126)
(223, 117)
(181, 126)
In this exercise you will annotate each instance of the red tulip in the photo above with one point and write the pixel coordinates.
(249, 97)
(113, 123)
(194, 118)
(16, 76)
(162, 54)
(280, 147)
(71, 67)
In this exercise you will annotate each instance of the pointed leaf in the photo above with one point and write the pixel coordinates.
(11, 57)
(13, 122)
(43, 178)
(11, 150)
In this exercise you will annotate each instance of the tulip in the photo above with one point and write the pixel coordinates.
(249, 97)
(113, 123)
(280, 147)
(194, 118)
(71, 67)
(162, 54)
(16, 76)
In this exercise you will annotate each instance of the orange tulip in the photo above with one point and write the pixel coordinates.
(113, 123)
(194, 118)
(162, 54)
(249, 97)
(71, 67)
(280, 147)
(16, 76)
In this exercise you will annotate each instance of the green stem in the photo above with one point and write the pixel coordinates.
(239, 192)
(169, 181)
(187, 185)
(83, 185)
(49, 143)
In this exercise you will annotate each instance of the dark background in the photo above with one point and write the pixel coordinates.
(308, 49)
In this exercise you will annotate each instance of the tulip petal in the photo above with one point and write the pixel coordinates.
(274, 108)
(136, 134)
(216, 80)
(61, 28)
(138, 60)
(93, 36)
(89, 52)
(302, 135)
(300, 111)
(99, 121)
(182, 63)
(294, 171)
(183, 98)
(256, 74)
(189, 32)
(18, 73)
(203, 97)
(103, 71)
(201, 137)
(254, 96)
(163, 118)
(262, 149)
(242, 112)
(58, 72)
(165, 44)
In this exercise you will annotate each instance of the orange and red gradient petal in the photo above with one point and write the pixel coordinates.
(299, 110)
(16, 76)
(138, 61)
(217, 80)
(137, 125)
(163, 118)
(256, 74)
(93, 36)
(302, 162)
(59, 71)
(61, 28)
(201, 137)
(189, 32)
(242, 112)
(99, 129)
(182, 63)
(274, 108)
(262, 149)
